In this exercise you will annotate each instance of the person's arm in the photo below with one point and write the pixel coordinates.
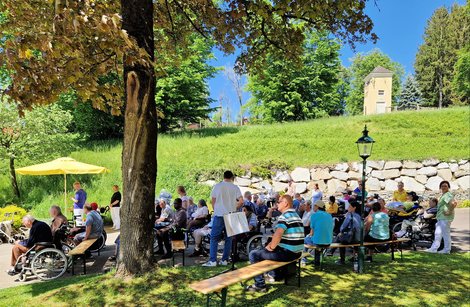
(32, 237)
(345, 223)
(87, 232)
(276, 239)
(75, 199)
(213, 200)
(240, 202)
(368, 223)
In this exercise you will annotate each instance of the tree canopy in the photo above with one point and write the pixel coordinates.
(362, 65)
(410, 96)
(287, 90)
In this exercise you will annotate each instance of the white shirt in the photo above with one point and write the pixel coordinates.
(306, 218)
(225, 194)
(201, 212)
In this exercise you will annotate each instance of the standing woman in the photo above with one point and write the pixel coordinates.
(317, 194)
(445, 216)
(115, 205)
(182, 193)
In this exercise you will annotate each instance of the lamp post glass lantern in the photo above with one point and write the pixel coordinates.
(364, 147)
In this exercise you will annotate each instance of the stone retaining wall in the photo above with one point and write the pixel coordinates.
(423, 177)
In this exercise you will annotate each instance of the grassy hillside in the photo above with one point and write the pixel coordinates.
(183, 157)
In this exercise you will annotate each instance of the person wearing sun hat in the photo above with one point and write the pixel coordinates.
(321, 229)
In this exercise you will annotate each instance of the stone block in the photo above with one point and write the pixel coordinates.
(461, 173)
(321, 174)
(373, 184)
(433, 183)
(391, 185)
(340, 175)
(300, 174)
(342, 167)
(262, 185)
(391, 173)
(301, 187)
(377, 174)
(464, 183)
(392, 165)
(412, 185)
(454, 167)
(242, 182)
(421, 178)
(428, 171)
(445, 174)
(335, 185)
(281, 176)
(321, 185)
(377, 165)
(354, 175)
(442, 165)
(279, 186)
(411, 172)
(412, 164)
(430, 162)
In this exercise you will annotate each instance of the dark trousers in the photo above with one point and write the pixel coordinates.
(163, 239)
(279, 254)
(317, 254)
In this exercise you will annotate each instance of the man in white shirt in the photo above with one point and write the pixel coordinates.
(306, 216)
(226, 198)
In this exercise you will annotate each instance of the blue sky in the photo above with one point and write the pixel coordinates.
(398, 23)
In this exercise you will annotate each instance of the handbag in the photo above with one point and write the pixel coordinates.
(347, 236)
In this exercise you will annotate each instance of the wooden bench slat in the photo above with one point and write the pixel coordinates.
(219, 282)
(178, 245)
(338, 245)
(81, 248)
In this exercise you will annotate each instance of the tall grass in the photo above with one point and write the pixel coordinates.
(443, 134)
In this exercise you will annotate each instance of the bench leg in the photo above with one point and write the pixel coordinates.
(84, 265)
(298, 273)
(401, 251)
(393, 251)
(224, 297)
(208, 302)
(73, 265)
(183, 257)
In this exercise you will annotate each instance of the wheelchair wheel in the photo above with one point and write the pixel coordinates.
(49, 263)
(100, 243)
(396, 227)
(255, 242)
(22, 277)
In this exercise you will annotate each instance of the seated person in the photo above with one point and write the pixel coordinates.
(247, 201)
(198, 235)
(376, 226)
(93, 225)
(39, 232)
(307, 208)
(58, 219)
(163, 234)
(400, 194)
(411, 199)
(381, 201)
(286, 243)
(166, 215)
(254, 198)
(261, 209)
(352, 221)
(298, 200)
(426, 214)
(251, 217)
(321, 230)
(359, 190)
(191, 207)
(200, 215)
(332, 206)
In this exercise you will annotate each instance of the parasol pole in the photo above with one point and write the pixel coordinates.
(65, 194)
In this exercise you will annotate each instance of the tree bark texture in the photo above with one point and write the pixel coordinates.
(139, 159)
(14, 182)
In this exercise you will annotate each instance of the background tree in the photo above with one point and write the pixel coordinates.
(410, 96)
(362, 65)
(445, 33)
(182, 96)
(75, 43)
(40, 135)
(236, 80)
(288, 90)
(461, 80)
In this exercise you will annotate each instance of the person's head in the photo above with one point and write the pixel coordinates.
(28, 220)
(316, 187)
(247, 210)
(285, 203)
(76, 186)
(260, 202)
(115, 188)
(319, 206)
(297, 196)
(376, 207)
(254, 198)
(178, 204)
(94, 206)
(190, 201)
(308, 205)
(162, 203)
(87, 208)
(55, 211)
(202, 203)
(409, 197)
(444, 186)
(228, 176)
(353, 207)
(332, 199)
(400, 186)
(277, 196)
(381, 201)
(181, 190)
(433, 202)
(359, 185)
(247, 195)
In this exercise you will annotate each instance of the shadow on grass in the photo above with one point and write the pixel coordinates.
(419, 280)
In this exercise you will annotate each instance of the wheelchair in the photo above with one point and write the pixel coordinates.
(44, 260)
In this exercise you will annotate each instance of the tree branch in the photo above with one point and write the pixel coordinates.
(190, 21)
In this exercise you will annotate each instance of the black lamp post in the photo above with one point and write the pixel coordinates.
(364, 147)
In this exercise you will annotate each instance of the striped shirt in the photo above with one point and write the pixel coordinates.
(293, 237)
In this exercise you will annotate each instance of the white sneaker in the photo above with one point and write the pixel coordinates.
(210, 264)
(400, 233)
(443, 252)
(430, 250)
(223, 262)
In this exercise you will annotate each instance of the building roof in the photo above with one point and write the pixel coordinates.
(379, 71)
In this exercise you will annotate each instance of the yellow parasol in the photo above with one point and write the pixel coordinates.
(62, 166)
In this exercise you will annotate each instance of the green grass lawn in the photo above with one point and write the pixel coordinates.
(420, 280)
(187, 156)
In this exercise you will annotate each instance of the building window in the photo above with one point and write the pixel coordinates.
(381, 92)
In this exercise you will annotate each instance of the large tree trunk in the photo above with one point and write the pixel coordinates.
(14, 182)
(139, 161)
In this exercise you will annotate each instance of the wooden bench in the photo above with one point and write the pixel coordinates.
(392, 243)
(79, 251)
(178, 246)
(220, 283)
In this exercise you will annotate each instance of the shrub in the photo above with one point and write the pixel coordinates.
(464, 204)
(12, 213)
